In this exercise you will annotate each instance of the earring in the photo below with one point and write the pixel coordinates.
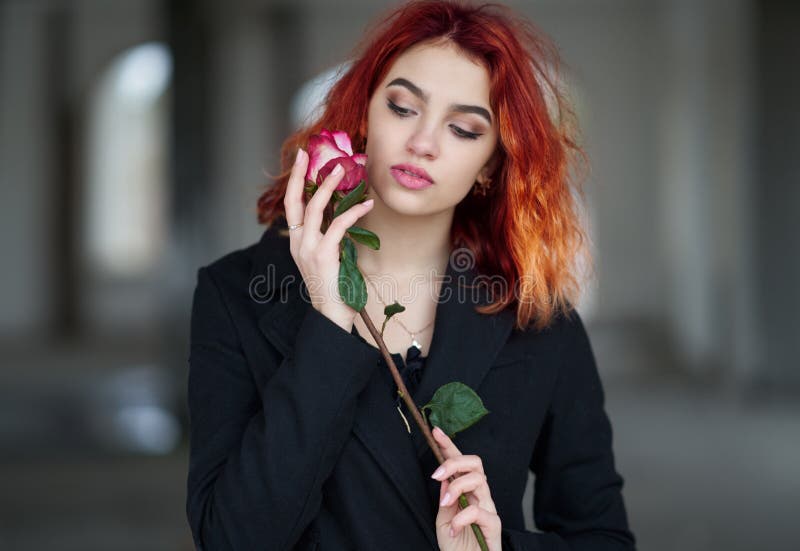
(481, 185)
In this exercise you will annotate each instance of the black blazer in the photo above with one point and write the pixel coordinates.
(295, 442)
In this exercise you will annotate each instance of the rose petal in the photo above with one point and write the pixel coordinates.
(353, 173)
(360, 158)
(321, 149)
(342, 140)
(352, 178)
(347, 164)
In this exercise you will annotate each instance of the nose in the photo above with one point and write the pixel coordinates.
(423, 143)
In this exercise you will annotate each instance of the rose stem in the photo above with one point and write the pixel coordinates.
(412, 407)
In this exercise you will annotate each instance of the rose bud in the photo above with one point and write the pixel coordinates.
(326, 150)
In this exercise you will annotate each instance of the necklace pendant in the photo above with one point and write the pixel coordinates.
(415, 343)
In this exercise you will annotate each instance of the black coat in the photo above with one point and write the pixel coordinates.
(295, 441)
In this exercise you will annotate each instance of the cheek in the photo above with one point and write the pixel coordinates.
(384, 145)
(374, 150)
(464, 174)
(378, 120)
(377, 157)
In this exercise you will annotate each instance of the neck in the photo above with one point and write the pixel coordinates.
(411, 246)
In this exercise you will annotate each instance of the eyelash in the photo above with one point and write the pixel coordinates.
(463, 134)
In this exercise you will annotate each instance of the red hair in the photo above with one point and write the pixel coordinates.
(526, 229)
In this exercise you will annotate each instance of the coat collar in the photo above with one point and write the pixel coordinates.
(463, 347)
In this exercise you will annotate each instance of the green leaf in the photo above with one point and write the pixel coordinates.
(348, 250)
(393, 308)
(351, 198)
(365, 237)
(352, 287)
(455, 407)
(389, 311)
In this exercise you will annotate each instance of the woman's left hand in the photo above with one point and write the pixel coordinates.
(481, 511)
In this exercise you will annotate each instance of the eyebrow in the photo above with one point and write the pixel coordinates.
(457, 107)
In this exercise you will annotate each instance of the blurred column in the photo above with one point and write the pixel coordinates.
(732, 159)
(236, 66)
(777, 197)
(27, 154)
(189, 37)
(190, 40)
(246, 121)
(706, 167)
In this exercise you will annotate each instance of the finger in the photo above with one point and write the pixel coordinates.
(474, 483)
(459, 465)
(293, 202)
(443, 488)
(445, 513)
(488, 521)
(445, 444)
(446, 492)
(333, 236)
(316, 205)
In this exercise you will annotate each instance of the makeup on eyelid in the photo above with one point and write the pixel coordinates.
(404, 112)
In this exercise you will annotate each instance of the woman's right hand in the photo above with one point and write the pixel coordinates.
(317, 254)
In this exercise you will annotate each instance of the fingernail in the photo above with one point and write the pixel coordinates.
(445, 499)
(297, 157)
(369, 201)
(338, 170)
(452, 532)
(438, 472)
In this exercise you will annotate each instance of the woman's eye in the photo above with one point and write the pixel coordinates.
(399, 110)
(464, 134)
(461, 133)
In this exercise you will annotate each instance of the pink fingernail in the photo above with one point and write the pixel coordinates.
(338, 169)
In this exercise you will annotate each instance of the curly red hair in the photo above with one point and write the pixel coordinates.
(527, 229)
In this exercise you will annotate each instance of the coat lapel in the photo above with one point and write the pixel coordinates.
(463, 348)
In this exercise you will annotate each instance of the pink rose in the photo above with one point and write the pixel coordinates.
(328, 149)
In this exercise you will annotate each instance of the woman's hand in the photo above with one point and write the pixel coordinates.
(481, 510)
(317, 254)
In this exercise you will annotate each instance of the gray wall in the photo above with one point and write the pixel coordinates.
(668, 97)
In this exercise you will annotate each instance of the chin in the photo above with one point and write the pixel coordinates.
(404, 201)
(413, 208)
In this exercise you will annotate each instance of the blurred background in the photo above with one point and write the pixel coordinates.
(134, 140)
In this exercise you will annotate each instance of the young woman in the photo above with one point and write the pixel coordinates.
(297, 438)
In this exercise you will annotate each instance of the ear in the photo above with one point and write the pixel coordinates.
(490, 166)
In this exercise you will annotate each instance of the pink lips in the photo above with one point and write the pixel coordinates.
(418, 178)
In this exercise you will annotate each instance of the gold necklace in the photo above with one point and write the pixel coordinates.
(412, 334)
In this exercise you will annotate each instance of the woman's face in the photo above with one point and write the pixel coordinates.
(431, 112)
